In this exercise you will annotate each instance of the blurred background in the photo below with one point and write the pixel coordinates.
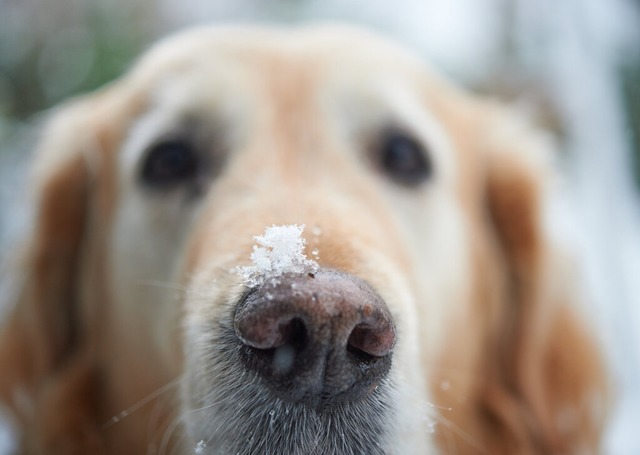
(572, 65)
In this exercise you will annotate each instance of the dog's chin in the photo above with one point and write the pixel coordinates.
(234, 412)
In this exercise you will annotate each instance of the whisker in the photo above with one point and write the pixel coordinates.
(164, 443)
(187, 290)
(143, 402)
(466, 437)
(204, 408)
(433, 412)
(442, 408)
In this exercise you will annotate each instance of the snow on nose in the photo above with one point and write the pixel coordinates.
(280, 250)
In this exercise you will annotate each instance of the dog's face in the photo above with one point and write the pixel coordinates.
(428, 300)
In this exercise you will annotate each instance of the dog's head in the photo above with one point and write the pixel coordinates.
(423, 306)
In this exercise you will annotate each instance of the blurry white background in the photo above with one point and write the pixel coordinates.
(573, 64)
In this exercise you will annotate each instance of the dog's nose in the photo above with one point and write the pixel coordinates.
(319, 339)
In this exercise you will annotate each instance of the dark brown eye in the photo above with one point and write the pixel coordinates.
(170, 163)
(404, 159)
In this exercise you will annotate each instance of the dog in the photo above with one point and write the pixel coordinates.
(295, 241)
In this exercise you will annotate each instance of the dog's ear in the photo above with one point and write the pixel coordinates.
(44, 340)
(547, 393)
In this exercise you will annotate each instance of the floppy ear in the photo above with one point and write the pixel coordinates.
(548, 393)
(47, 376)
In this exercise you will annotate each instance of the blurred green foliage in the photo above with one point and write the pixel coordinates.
(52, 50)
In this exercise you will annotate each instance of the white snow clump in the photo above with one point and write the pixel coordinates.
(200, 447)
(280, 250)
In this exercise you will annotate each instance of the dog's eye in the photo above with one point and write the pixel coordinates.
(404, 159)
(169, 163)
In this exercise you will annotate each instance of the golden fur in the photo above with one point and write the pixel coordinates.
(490, 347)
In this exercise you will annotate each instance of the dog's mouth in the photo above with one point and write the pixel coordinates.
(300, 367)
(242, 413)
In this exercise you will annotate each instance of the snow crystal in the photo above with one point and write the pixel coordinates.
(200, 447)
(280, 250)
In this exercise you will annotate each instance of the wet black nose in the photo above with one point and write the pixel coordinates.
(322, 339)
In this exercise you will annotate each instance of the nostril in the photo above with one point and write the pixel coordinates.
(275, 342)
(370, 341)
(294, 337)
(268, 333)
(294, 333)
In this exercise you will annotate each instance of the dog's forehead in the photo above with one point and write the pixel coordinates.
(238, 72)
(335, 51)
(313, 41)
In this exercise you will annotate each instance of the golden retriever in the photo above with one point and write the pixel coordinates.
(426, 307)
